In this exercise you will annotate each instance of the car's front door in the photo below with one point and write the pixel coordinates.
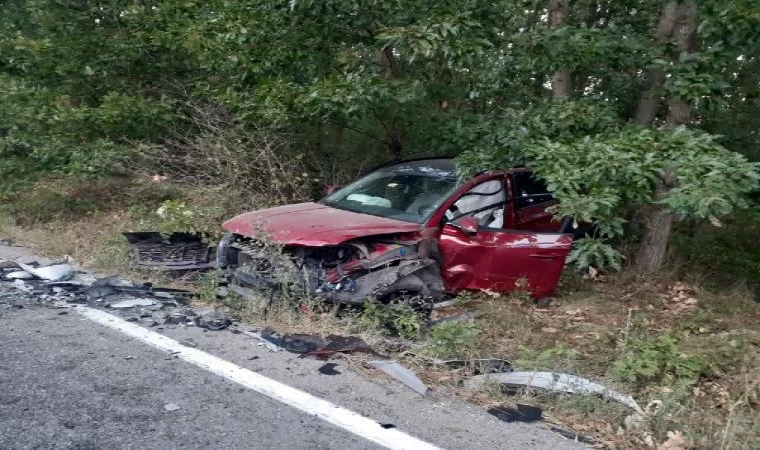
(495, 258)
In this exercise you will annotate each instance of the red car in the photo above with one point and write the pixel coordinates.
(412, 229)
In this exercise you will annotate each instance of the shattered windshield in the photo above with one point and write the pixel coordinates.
(409, 191)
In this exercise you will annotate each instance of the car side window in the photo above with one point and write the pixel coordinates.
(484, 201)
(530, 191)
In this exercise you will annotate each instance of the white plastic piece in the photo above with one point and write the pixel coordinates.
(402, 374)
(557, 382)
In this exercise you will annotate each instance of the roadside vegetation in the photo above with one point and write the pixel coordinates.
(643, 118)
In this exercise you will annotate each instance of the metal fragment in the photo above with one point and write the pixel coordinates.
(132, 302)
(557, 382)
(402, 374)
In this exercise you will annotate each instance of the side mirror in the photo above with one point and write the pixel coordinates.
(467, 224)
(331, 188)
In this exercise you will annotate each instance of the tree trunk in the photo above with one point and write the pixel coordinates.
(394, 133)
(657, 219)
(655, 78)
(561, 80)
(654, 242)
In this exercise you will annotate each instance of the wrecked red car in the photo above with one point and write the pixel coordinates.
(412, 229)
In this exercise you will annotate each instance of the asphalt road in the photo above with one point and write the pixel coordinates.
(67, 382)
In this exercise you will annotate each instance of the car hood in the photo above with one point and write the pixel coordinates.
(314, 225)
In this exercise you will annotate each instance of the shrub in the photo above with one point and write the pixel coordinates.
(652, 360)
(453, 338)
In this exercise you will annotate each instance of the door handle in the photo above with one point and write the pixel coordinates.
(543, 256)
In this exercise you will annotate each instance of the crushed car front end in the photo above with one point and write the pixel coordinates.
(348, 272)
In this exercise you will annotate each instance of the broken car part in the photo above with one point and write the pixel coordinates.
(19, 275)
(523, 413)
(401, 374)
(213, 322)
(175, 251)
(341, 344)
(329, 369)
(132, 302)
(551, 381)
(56, 272)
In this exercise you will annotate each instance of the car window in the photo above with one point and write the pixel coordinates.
(529, 190)
(484, 201)
(409, 192)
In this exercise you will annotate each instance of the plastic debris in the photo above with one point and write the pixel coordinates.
(19, 275)
(213, 321)
(302, 343)
(132, 302)
(341, 344)
(402, 374)
(523, 413)
(56, 272)
(557, 382)
(172, 407)
(189, 343)
(329, 369)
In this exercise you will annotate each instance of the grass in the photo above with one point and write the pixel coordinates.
(684, 342)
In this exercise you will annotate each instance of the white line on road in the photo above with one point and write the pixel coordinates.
(343, 418)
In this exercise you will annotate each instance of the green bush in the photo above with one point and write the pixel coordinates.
(453, 338)
(653, 360)
(397, 318)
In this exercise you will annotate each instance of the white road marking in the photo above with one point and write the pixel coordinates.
(343, 418)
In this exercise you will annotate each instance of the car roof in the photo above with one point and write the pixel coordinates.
(440, 166)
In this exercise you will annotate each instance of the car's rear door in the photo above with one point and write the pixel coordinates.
(503, 260)
(532, 202)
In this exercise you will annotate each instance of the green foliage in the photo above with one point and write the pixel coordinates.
(725, 256)
(578, 149)
(399, 319)
(209, 283)
(175, 215)
(455, 338)
(557, 357)
(652, 360)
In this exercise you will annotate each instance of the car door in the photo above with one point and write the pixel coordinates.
(532, 201)
(486, 256)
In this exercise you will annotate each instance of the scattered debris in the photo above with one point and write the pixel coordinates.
(557, 382)
(302, 343)
(213, 321)
(188, 343)
(175, 318)
(523, 413)
(132, 302)
(402, 374)
(341, 344)
(329, 369)
(172, 407)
